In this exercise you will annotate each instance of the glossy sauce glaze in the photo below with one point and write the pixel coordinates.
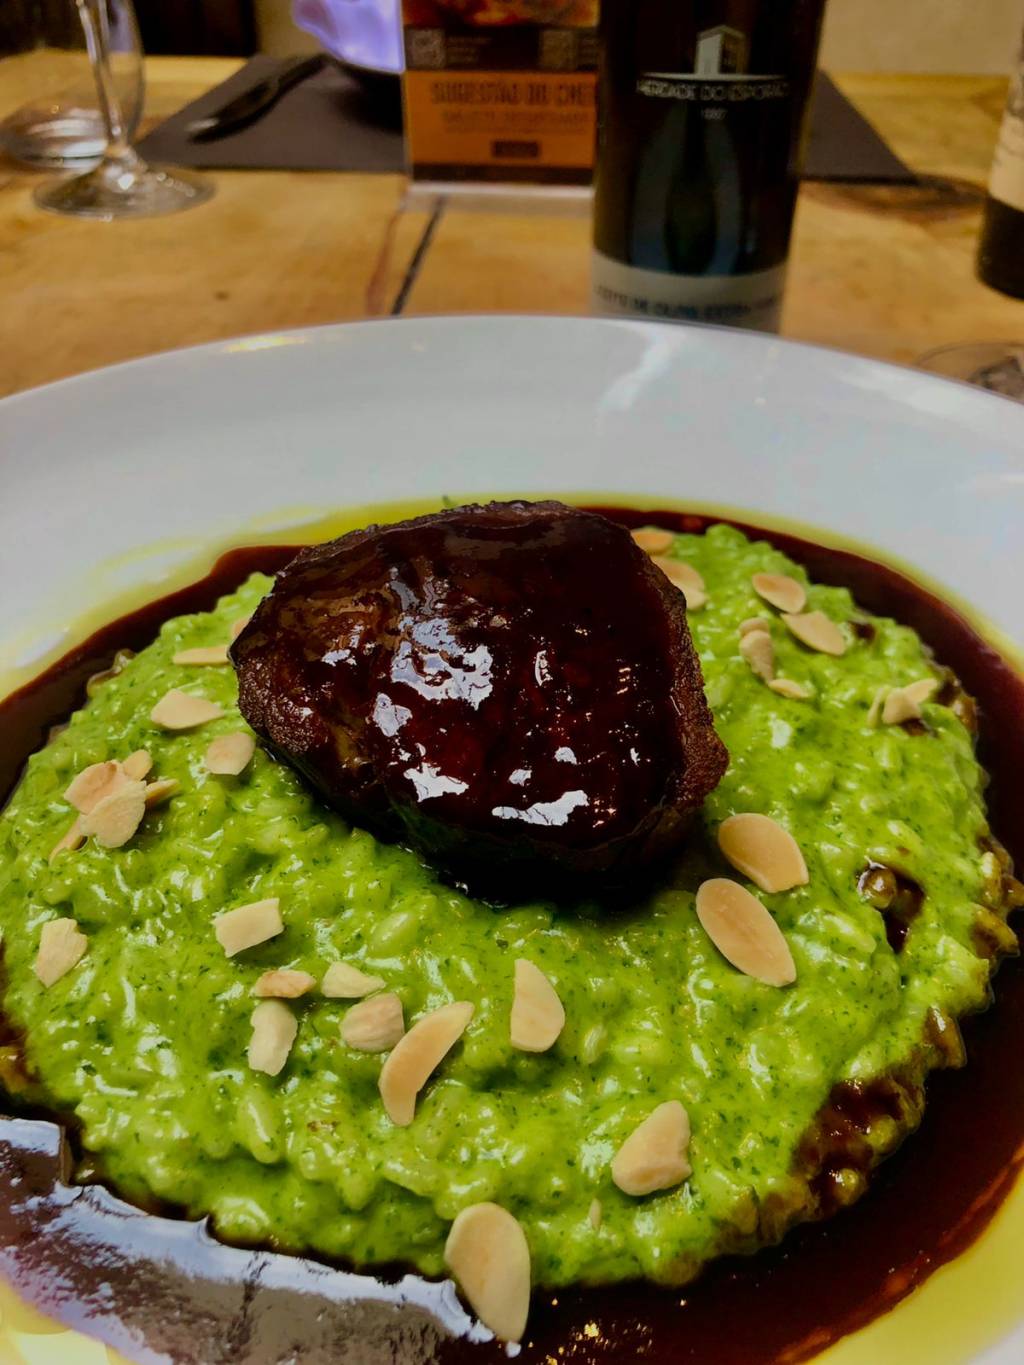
(162, 1288)
(447, 681)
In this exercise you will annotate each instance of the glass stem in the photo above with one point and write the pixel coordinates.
(96, 23)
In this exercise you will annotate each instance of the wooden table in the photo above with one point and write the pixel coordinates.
(883, 271)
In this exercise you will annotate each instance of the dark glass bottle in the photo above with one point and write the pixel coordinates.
(701, 109)
(1001, 248)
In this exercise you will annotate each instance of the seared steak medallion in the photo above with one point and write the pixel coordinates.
(512, 689)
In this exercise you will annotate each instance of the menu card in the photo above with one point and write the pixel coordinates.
(500, 90)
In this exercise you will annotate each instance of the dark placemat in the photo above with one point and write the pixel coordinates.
(336, 122)
(843, 145)
(329, 122)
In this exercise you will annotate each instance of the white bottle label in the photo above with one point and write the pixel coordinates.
(1007, 182)
(751, 300)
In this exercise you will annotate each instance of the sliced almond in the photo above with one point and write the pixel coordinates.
(138, 765)
(919, 692)
(238, 626)
(753, 623)
(757, 648)
(205, 656)
(96, 680)
(160, 791)
(488, 1254)
(71, 841)
(62, 945)
(228, 755)
(345, 982)
(684, 576)
(538, 1016)
(786, 687)
(875, 709)
(595, 1213)
(898, 707)
(904, 703)
(92, 784)
(653, 1157)
(180, 711)
(779, 590)
(284, 984)
(273, 1031)
(762, 850)
(744, 932)
(374, 1025)
(653, 540)
(114, 820)
(250, 924)
(424, 1047)
(817, 631)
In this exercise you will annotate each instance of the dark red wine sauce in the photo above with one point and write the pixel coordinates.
(163, 1288)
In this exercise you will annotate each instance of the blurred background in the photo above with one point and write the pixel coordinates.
(973, 36)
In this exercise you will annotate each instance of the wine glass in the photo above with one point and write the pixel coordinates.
(122, 185)
(44, 65)
(994, 365)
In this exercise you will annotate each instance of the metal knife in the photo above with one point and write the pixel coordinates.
(248, 106)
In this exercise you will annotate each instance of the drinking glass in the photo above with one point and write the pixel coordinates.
(45, 73)
(122, 185)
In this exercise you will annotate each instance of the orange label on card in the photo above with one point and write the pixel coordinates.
(500, 124)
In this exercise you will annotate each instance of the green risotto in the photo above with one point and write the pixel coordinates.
(145, 1040)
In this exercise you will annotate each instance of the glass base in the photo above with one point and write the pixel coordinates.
(124, 188)
(72, 137)
(994, 365)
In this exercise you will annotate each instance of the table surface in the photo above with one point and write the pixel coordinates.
(881, 270)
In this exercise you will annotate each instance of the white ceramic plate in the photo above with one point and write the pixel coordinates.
(111, 480)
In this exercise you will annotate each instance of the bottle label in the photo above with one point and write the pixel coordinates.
(1007, 182)
(751, 300)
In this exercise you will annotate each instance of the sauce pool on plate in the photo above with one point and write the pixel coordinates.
(785, 1303)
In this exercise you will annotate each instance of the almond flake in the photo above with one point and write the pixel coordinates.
(753, 623)
(138, 765)
(487, 1252)
(345, 982)
(273, 1031)
(683, 576)
(875, 709)
(205, 656)
(653, 1157)
(786, 687)
(180, 711)
(62, 946)
(594, 1214)
(757, 648)
(424, 1047)
(898, 707)
(284, 984)
(92, 784)
(250, 924)
(72, 840)
(228, 755)
(763, 851)
(374, 1025)
(779, 590)
(904, 703)
(744, 932)
(538, 1016)
(160, 791)
(653, 540)
(817, 631)
(114, 820)
(238, 626)
(921, 691)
